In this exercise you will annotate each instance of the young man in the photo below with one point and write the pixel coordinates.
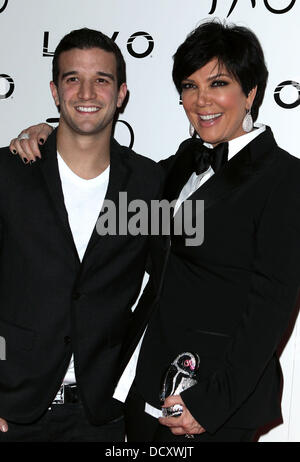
(66, 292)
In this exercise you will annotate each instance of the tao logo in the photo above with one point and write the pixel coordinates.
(7, 86)
(278, 90)
(131, 49)
(150, 44)
(2, 8)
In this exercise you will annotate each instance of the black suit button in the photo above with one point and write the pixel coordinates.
(67, 339)
(76, 296)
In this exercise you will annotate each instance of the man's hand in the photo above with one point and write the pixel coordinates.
(28, 141)
(185, 424)
(3, 425)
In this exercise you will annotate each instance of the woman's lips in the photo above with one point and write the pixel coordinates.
(207, 120)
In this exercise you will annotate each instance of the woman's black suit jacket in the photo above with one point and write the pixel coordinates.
(231, 298)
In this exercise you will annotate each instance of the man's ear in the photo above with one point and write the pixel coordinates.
(54, 92)
(122, 94)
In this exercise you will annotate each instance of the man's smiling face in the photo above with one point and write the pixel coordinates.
(87, 91)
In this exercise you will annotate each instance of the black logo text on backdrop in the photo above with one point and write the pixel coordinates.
(278, 90)
(3, 5)
(148, 50)
(253, 3)
(141, 36)
(9, 83)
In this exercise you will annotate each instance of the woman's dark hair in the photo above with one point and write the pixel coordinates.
(235, 47)
(85, 39)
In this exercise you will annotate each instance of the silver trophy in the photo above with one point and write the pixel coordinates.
(180, 376)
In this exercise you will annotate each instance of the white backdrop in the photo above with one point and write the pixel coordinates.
(148, 33)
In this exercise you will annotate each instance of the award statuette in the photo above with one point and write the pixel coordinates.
(180, 376)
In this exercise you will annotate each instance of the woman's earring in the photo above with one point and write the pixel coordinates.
(192, 130)
(248, 122)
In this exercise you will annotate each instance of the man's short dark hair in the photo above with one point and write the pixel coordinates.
(85, 39)
(235, 47)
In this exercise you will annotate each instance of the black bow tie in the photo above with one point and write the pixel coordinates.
(191, 157)
(205, 157)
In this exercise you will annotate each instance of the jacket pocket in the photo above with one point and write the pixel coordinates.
(209, 343)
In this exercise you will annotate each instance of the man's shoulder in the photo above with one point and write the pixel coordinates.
(136, 161)
(4, 151)
(145, 172)
(8, 160)
(13, 171)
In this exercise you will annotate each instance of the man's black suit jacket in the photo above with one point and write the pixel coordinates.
(231, 298)
(51, 305)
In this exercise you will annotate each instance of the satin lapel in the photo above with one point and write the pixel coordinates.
(49, 168)
(118, 180)
(232, 176)
(239, 171)
(179, 172)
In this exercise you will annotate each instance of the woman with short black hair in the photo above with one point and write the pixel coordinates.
(226, 303)
(229, 300)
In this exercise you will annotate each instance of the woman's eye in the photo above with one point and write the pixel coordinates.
(219, 83)
(187, 86)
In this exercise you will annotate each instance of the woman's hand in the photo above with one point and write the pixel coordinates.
(3, 425)
(28, 141)
(183, 425)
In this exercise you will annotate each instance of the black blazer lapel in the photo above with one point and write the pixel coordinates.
(49, 168)
(241, 169)
(178, 169)
(235, 173)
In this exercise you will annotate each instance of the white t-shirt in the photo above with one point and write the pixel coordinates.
(83, 201)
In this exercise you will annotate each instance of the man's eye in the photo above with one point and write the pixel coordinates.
(72, 79)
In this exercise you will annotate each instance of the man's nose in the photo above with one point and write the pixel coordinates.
(86, 90)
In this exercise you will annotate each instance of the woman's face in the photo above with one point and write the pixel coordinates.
(215, 103)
